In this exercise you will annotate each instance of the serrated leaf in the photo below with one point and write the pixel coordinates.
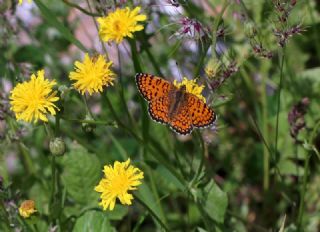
(216, 202)
(81, 173)
(93, 221)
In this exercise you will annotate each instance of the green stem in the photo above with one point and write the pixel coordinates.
(203, 156)
(303, 192)
(266, 154)
(156, 194)
(153, 61)
(94, 122)
(81, 9)
(121, 87)
(279, 103)
(141, 202)
(215, 28)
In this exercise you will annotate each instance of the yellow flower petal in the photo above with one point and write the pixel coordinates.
(191, 87)
(33, 99)
(117, 181)
(92, 75)
(120, 24)
(27, 208)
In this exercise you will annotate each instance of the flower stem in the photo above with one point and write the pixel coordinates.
(154, 215)
(303, 191)
(279, 102)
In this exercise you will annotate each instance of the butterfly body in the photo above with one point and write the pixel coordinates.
(181, 110)
(177, 97)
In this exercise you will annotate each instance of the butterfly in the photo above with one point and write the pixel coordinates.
(181, 110)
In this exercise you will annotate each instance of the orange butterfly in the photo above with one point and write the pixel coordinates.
(181, 110)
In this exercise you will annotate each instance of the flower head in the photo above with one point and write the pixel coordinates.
(27, 208)
(92, 74)
(32, 100)
(191, 87)
(120, 23)
(117, 181)
(191, 28)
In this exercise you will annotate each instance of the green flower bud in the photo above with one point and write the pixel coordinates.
(88, 127)
(57, 147)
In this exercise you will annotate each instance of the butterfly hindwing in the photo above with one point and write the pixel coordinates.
(159, 108)
(152, 87)
(201, 115)
(181, 122)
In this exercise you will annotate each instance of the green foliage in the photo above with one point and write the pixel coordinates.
(81, 173)
(93, 221)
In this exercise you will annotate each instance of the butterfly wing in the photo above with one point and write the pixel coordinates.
(201, 115)
(159, 108)
(152, 87)
(181, 122)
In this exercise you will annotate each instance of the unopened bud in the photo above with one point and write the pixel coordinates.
(213, 68)
(57, 147)
(88, 127)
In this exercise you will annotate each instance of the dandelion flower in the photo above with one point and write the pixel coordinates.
(120, 23)
(191, 87)
(117, 181)
(32, 100)
(27, 208)
(92, 74)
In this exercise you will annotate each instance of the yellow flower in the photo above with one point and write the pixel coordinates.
(20, 1)
(33, 99)
(191, 87)
(92, 74)
(120, 23)
(117, 181)
(27, 208)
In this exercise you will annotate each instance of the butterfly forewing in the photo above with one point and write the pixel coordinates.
(152, 87)
(201, 115)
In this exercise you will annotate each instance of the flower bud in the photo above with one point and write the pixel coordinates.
(88, 127)
(213, 68)
(57, 147)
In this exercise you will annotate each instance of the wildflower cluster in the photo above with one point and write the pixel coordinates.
(296, 117)
(256, 45)
(191, 29)
(283, 30)
(218, 73)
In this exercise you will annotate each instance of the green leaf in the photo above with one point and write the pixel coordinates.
(81, 174)
(52, 19)
(283, 224)
(93, 221)
(216, 202)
